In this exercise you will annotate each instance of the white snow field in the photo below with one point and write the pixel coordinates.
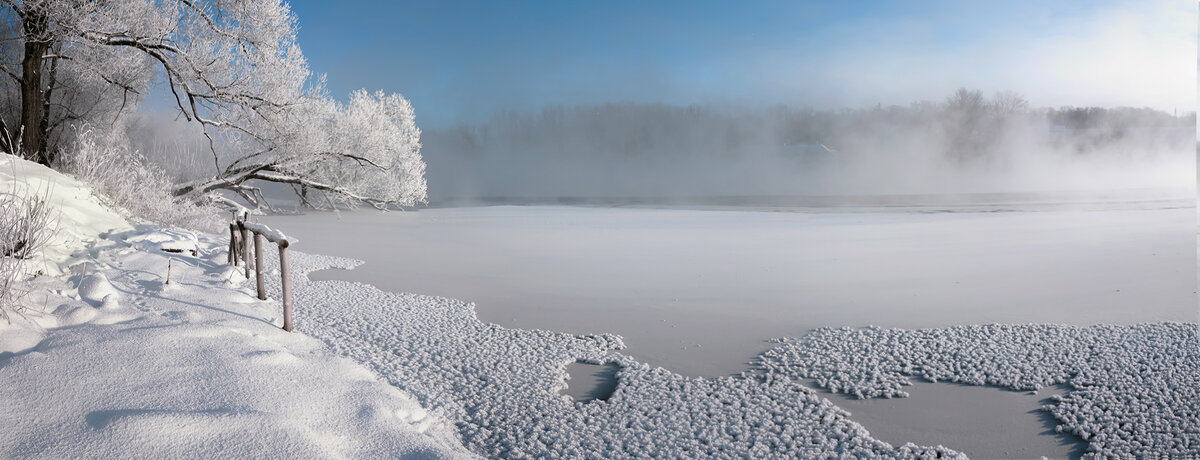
(589, 271)
(111, 361)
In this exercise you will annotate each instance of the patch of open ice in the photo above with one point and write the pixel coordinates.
(1136, 389)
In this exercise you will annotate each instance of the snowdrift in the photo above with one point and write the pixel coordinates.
(110, 359)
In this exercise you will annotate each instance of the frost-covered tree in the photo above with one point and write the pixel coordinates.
(231, 66)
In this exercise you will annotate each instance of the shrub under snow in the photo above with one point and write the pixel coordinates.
(127, 181)
(25, 227)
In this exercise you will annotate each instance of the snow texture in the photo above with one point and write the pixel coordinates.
(500, 386)
(269, 233)
(1135, 389)
(194, 368)
(167, 240)
(96, 287)
(81, 221)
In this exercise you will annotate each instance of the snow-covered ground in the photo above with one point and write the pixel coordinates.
(112, 361)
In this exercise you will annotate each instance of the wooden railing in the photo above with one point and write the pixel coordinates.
(240, 250)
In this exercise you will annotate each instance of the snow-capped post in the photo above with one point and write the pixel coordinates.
(274, 236)
(287, 285)
(258, 264)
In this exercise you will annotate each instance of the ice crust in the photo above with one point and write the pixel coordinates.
(1135, 389)
(500, 386)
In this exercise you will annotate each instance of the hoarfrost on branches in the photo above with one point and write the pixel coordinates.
(231, 66)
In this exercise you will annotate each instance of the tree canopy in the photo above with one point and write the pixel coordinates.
(231, 66)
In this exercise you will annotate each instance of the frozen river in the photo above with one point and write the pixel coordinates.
(701, 292)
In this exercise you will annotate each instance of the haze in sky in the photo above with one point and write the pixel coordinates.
(461, 62)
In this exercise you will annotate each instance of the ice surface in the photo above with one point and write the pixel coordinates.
(1135, 389)
(702, 292)
(500, 386)
(980, 421)
(688, 286)
(589, 382)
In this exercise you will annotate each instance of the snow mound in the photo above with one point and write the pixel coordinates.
(500, 386)
(82, 221)
(96, 288)
(167, 240)
(110, 302)
(70, 315)
(1136, 389)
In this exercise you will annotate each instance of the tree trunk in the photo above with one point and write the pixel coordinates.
(46, 150)
(36, 44)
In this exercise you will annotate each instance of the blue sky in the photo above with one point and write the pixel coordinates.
(461, 61)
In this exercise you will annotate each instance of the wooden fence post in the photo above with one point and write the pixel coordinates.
(287, 286)
(258, 264)
(246, 244)
(233, 245)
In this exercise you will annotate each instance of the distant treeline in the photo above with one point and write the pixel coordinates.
(625, 148)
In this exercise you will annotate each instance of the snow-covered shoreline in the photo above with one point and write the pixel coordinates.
(111, 359)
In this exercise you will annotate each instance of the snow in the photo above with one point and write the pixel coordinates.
(500, 386)
(97, 288)
(165, 239)
(110, 361)
(272, 235)
(701, 292)
(1135, 389)
(639, 273)
(82, 221)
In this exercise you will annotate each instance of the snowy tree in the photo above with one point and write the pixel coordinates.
(233, 67)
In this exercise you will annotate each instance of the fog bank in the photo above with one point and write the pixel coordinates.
(968, 143)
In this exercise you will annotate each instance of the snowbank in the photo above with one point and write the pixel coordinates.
(190, 368)
(82, 222)
(1136, 389)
